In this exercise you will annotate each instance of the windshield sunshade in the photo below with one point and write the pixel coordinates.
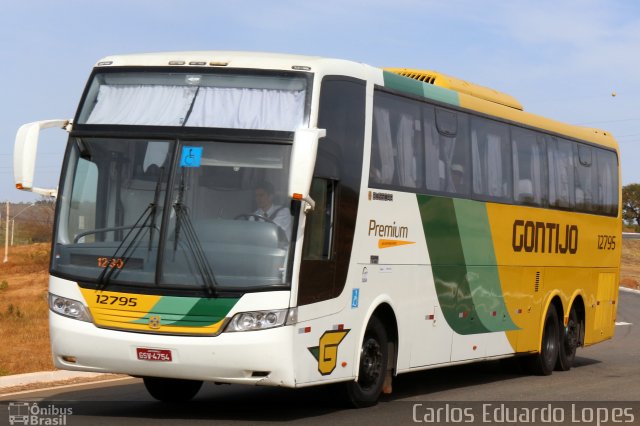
(259, 102)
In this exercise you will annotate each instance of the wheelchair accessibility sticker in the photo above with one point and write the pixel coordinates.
(191, 156)
(355, 297)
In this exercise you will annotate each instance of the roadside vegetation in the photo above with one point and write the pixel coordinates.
(24, 328)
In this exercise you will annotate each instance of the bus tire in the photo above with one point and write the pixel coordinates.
(172, 390)
(374, 356)
(569, 340)
(543, 363)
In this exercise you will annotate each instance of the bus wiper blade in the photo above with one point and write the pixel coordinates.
(148, 215)
(111, 266)
(193, 243)
(156, 196)
(195, 247)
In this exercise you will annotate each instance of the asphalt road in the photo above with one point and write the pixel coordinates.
(605, 381)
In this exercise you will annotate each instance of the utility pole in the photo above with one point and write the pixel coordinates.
(6, 236)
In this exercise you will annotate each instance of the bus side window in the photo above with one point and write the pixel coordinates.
(491, 154)
(453, 141)
(529, 167)
(607, 201)
(319, 227)
(396, 157)
(383, 154)
(585, 178)
(561, 172)
(434, 172)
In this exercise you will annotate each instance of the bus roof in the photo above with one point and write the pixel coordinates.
(231, 59)
(416, 82)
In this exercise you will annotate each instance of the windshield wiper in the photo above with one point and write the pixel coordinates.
(193, 243)
(156, 195)
(148, 219)
(111, 266)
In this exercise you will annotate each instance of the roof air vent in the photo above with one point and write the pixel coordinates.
(438, 79)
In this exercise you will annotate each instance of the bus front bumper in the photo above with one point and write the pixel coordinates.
(252, 357)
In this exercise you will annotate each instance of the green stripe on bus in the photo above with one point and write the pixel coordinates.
(448, 264)
(207, 310)
(482, 270)
(189, 311)
(418, 88)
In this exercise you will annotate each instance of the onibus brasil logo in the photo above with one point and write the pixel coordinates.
(30, 413)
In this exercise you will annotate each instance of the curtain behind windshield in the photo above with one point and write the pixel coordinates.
(237, 102)
(247, 109)
(142, 105)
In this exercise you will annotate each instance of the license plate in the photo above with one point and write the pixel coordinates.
(147, 354)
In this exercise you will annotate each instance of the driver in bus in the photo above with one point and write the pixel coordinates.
(279, 215)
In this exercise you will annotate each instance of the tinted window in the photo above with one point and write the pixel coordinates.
(586, 174)
(317, 242)
(491, 154)
(529, 167)
(434, 169)
(396, 157)
(453, 150)
(422, 147)
(607, 182)
(561, 186)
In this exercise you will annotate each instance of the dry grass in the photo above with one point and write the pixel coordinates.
(630, 267)
(24, 329)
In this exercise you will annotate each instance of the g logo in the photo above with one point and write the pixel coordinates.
(327, 352)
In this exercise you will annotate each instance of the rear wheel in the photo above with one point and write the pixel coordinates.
(542, 364)
(569, 340)
(374, 356)
(172, 390)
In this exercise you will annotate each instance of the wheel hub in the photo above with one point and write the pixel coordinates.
(370, 363)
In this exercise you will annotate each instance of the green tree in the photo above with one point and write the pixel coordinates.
(631, 203)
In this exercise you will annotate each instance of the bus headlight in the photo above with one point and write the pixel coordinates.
(69, 308)
(261, 320)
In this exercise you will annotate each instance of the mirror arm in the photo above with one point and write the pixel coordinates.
(46, 192)
(310, 205)
(302, 162)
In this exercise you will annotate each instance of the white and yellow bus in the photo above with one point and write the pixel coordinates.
(294, 221)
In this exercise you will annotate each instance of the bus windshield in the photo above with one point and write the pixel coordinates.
(193, 215)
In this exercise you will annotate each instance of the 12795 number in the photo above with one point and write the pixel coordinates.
(103, 299)
(606, 242)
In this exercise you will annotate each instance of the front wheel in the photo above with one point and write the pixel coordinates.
(374, 356)
(172, 390)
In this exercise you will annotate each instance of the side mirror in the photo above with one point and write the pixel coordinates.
(303, 161)
(24, 154)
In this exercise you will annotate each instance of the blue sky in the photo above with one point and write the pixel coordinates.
(561, 58)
